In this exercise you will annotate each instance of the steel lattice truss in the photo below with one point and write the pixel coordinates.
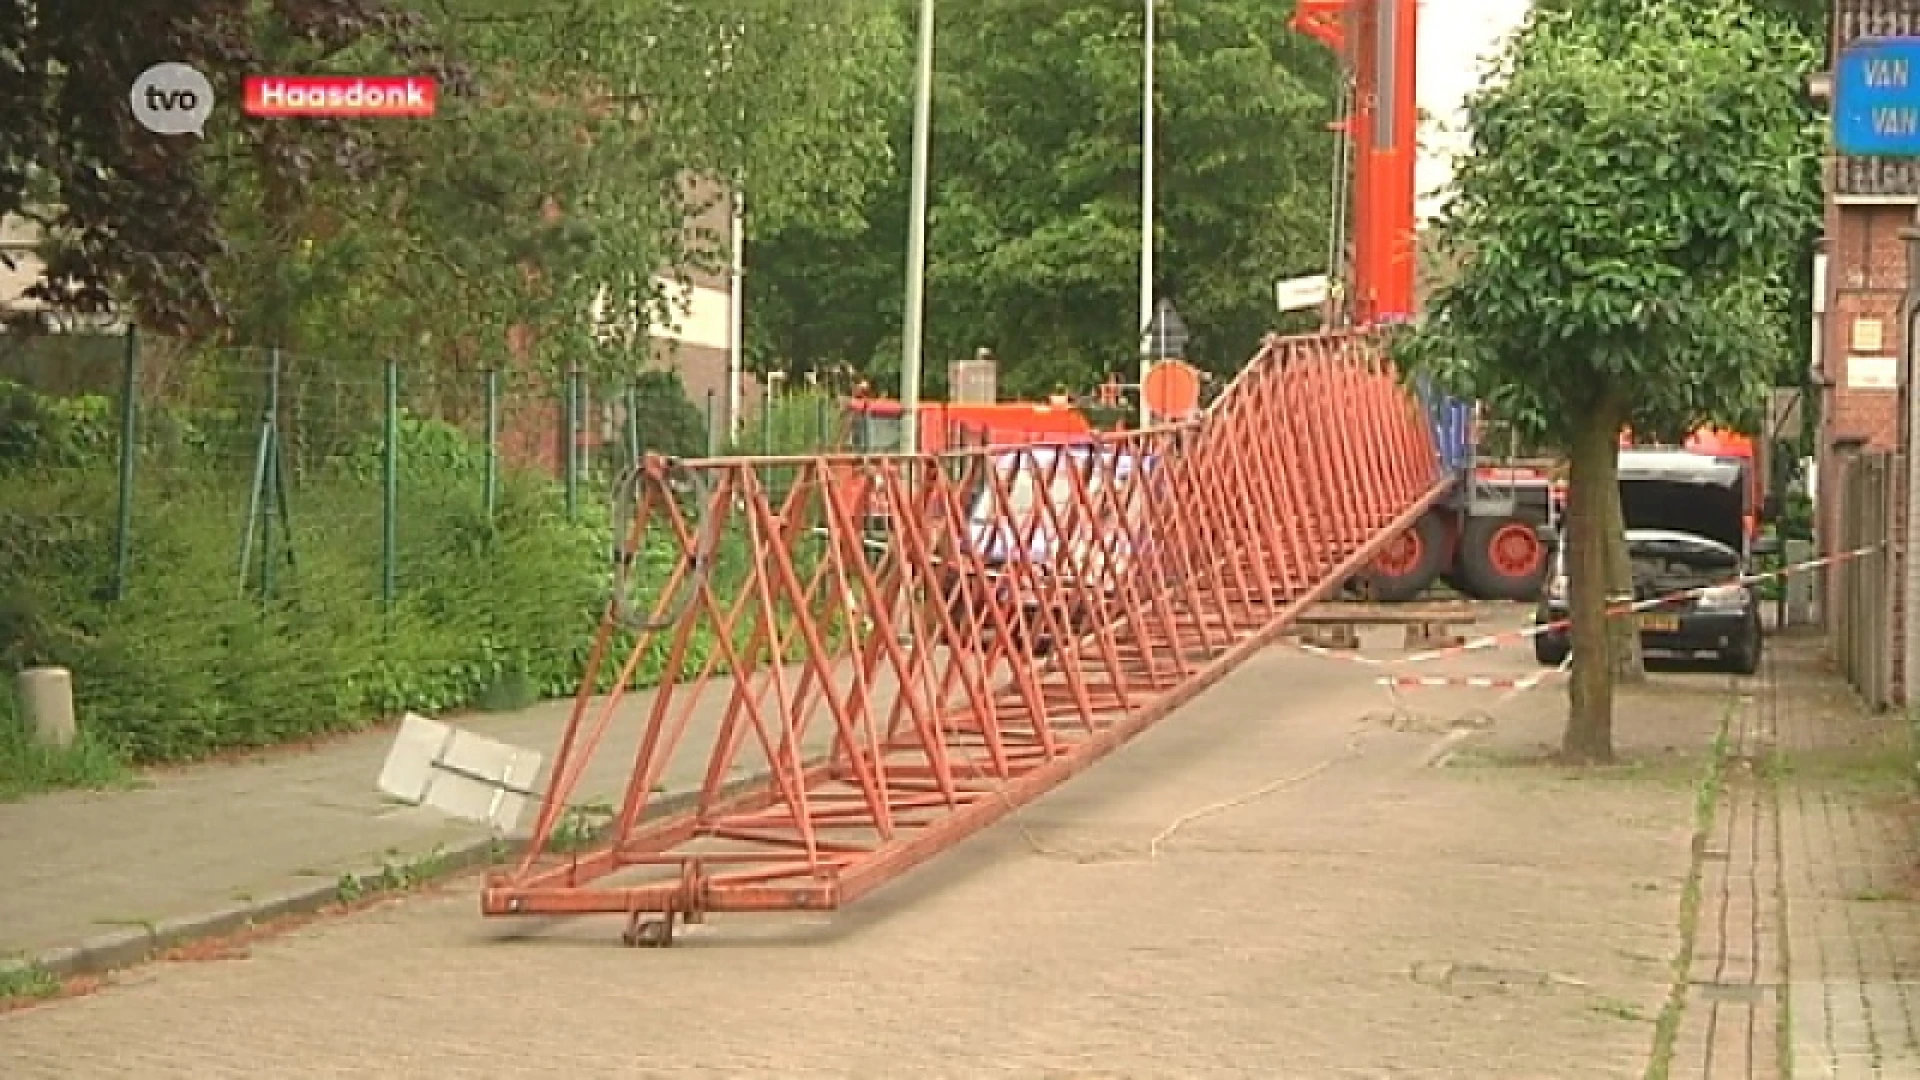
(898, 650)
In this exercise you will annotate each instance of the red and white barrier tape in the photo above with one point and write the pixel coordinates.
(1476, 682)
(1509, 637)
(1513, 685)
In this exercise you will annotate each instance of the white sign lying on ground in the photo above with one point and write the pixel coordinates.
(458, 773)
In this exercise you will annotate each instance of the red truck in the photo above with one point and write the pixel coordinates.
(874, 425)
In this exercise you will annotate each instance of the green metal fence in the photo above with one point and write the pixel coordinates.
(282, 453)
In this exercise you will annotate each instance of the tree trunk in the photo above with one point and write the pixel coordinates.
(1593, 470)
(1629, 667)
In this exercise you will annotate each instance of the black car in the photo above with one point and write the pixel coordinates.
(1687, 531)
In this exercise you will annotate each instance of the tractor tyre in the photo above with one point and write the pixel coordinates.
(1409, 564)
(1501, 559)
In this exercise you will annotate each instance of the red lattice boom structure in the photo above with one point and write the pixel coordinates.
(917, 645)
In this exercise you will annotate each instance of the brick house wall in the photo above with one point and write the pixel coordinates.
(1860, 343)
(1869, 202)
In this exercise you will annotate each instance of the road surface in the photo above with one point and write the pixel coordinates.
(1321, 902)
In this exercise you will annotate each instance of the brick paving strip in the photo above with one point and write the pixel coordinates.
(1806, 935)
(1731, 1005)
(1850, 852)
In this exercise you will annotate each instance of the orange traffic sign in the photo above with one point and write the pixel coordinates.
(1172, 388)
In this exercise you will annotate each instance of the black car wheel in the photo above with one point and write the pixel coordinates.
(1550, 649)
(1743, 656)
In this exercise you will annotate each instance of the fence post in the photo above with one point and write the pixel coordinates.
(633, 423)
(713, 431)
(492, 494)
(129, 436)
(1835, 606)
(390, 491)
(573, 442)
(269, 504)
(1886, 646)
(262, 462)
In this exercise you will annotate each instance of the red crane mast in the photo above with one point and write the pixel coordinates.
(1378, 40)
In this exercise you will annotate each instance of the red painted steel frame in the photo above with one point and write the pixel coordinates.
(961, 632)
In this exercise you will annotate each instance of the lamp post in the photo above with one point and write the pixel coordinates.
(917, 239)
(1145, 322)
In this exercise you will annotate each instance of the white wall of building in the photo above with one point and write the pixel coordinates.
(697, 315)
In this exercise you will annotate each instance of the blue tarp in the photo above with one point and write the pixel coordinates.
(1452, 421)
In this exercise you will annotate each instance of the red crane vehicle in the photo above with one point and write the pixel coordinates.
(1486, 538)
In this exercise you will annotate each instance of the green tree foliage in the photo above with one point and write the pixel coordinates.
(134, 215)
(1034, 242)
(1637, 191)
(1810, 18)
(558, 169)
(562, 182)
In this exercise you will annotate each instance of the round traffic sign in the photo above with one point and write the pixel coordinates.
(1172, 388)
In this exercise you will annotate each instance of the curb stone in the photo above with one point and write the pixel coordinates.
(130, 946)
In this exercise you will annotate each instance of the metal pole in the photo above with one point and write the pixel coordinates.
(573, 442)
(633, 423)
(269, 502)
(1146, 212)
(1908, 586)
(1824, 523)
(736, 310)
(492, 494)
(129, 447)
(390, 491)
(256, 491)
(917, 238)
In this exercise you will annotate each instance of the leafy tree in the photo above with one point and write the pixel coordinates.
(130, 213)
(1637, 189)
(559, 169)
(1034, 238)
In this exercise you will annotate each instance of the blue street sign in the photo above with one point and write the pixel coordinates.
(1876, 98)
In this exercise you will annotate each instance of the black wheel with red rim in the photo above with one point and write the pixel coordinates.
(1409, 563)
(1501, 559)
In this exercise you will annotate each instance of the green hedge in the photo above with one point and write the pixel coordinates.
(189, 662)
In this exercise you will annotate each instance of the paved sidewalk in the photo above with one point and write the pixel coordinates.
(1850, 852)
(97, 880)
(1806, 953)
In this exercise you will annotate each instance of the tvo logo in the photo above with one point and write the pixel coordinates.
(172, 99)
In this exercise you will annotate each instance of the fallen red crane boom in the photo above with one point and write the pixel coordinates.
(919, 644)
